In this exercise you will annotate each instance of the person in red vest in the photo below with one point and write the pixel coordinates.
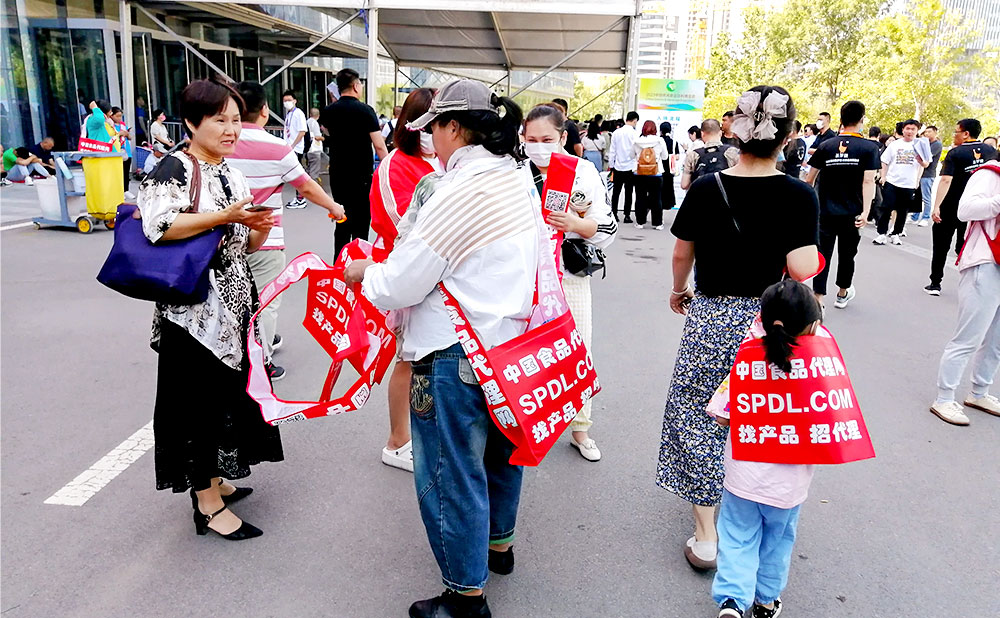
(395, 181)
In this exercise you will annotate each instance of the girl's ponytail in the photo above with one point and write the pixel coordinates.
(787, 309)
(778, 346)
(504, 140)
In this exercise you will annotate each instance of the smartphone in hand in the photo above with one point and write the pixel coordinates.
(259, 207)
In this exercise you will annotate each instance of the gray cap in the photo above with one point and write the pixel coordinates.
(457, 96)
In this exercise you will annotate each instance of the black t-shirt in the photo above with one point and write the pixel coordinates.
(350, 123)
(41, 153)
(572, 137)
(730, 141)
(776, 215)
(959, 163)
(843, 162)
(822, 137)
(795, 153)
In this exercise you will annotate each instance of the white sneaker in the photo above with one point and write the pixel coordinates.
(922, 223)
(950, 412)
(588, 449)
(401, 458)
(4, 182)
(894, 239)
(29, 181)
(296, 204)
(903, 233)
(987, 403)
(639, 226)
(701, 554)
(842, 301)
(879, 240)
(657, 227)
(129, 195)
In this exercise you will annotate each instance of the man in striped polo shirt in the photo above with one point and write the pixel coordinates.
(268, 163)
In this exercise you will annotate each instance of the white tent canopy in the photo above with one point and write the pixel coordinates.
(501, 34)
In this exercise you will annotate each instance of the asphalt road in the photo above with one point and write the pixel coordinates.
(915, 531)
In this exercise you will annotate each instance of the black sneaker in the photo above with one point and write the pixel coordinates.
(451, 605)
(628, 219)
(501, 562)
(275, 372)
(933, 290)
(729, 609)
(759, 611)
(276, 343)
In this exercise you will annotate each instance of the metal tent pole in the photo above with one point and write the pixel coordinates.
(180, 40)
(372, 90)
(305, 51)
(128, 75)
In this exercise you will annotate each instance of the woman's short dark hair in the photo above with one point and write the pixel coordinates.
(116, 110)
(665, 128)
(157, 112)
(417, 103)
(766, 148)
(207, 97)
(497, 134)
(552, 113)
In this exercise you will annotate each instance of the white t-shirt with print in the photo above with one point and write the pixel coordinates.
(904, 169)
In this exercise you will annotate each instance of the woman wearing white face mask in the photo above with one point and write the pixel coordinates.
(588, 219)
(395, 180)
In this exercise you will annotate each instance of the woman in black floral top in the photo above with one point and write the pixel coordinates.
(205, 425)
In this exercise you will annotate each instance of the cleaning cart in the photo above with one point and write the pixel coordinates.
(67, 201)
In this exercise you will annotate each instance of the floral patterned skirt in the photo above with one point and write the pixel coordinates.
(691, 445)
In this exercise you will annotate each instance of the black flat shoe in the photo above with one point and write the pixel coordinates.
(245, 531)
(451, 605)
(501, 562)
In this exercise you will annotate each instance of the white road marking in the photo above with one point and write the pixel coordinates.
(14, 226)
(93, 480)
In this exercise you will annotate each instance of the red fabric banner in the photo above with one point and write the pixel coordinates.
(555, 197)
(808, 416)
(342, 322)
(534, 384)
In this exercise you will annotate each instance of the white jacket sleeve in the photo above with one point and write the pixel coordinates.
(981, 199)
(599, 209)
(408, 275)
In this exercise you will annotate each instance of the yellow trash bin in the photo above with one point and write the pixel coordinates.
(105, 186)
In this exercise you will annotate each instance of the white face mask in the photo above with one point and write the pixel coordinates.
(289, 105)
(426, 144)
(541, 153)
(820, 123)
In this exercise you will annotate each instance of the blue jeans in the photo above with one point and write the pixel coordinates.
(20, 172)
(926, 188)
(755, 551)
(467, 491)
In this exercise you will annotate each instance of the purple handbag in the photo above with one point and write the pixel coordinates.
(170, 272)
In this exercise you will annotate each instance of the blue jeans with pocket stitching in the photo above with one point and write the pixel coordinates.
(467, 491)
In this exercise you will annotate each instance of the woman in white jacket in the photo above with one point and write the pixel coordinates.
(648, 181)
(589, 218)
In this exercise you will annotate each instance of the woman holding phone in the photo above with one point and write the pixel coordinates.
(206, 427)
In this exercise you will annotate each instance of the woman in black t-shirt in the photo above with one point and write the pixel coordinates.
(743, 227)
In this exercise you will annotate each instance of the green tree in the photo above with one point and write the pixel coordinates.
(604, 98)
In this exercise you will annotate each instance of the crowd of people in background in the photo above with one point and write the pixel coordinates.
(406, 177)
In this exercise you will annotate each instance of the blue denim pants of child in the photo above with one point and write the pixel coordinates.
(755, 551)
(467, 491)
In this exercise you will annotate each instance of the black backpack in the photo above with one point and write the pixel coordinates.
(390, 139)
(711, 159)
